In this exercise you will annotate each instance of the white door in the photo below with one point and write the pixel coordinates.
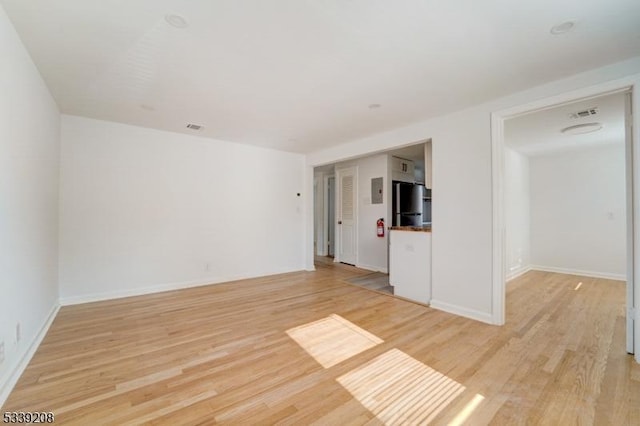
(347, 215)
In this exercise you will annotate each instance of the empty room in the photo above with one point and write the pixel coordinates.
(278, 212)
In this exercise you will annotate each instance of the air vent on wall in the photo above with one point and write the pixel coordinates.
(584, 113)
(194, 126)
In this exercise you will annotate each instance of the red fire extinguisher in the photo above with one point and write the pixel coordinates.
(380, 226)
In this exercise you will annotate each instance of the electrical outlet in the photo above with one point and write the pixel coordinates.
(18, 333)
(1, 352)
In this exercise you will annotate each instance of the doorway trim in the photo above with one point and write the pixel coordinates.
(498, 118)
(337, 248)
(326, 229)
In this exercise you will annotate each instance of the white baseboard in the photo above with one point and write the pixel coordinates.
(372, 268)
(463, 312)
(518, 272)
(140, 291)
(569, 271)
(7, 384)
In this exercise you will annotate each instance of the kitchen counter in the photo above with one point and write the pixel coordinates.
(425, 228)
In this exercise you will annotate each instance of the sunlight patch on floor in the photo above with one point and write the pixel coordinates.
(399, 389)
(468, 409)
(333, 339)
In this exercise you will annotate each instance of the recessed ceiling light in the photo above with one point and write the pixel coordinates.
(374, 106)
(581, 129)
(176, 21)
(562, 28)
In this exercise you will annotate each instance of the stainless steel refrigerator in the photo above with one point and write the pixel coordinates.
(408, 204)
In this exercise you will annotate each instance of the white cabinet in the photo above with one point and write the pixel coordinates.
(402, 170)
(410, 264)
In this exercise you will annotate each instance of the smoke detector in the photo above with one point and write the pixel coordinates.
(176, 21)
(584, 113)
(562, 28)
(581, 129)
(194, 126)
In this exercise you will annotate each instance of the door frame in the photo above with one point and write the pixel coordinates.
(338, 230)
(316, 223)
(632, 158)
(325, 222)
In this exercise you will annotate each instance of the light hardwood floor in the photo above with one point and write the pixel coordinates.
(222, 354)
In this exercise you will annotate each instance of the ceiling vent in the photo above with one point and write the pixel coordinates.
(584, 113)
(194, 126)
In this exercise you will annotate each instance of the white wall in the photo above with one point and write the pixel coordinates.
(578, 222)
(29, 157)
(517, 213)
(462, 187)
(372, 250)
(144, 210)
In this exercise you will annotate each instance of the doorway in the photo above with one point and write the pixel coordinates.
(347, 215)
(331, 215)
(500, 250)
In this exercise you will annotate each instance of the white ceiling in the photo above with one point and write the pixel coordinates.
(540, 132)
(411, 152)
(299, 75)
